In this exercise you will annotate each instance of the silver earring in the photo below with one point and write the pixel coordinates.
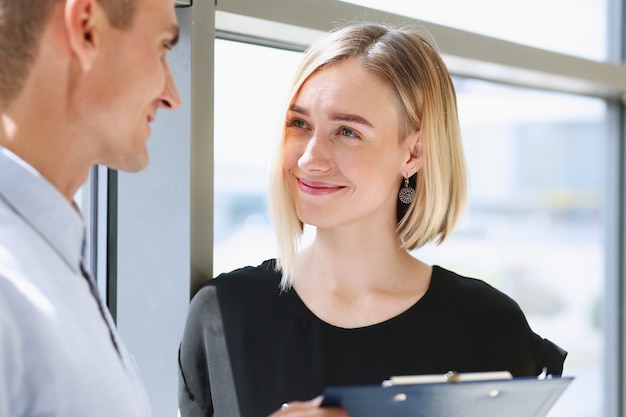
(407, 194)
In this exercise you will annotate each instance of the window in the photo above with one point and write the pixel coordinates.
(249, 105)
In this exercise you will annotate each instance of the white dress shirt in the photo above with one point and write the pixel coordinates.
(56, 353)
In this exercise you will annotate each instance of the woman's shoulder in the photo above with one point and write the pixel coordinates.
(488, 311)
(262, 273)
(242, 282)
(471, 292)
(240, 298)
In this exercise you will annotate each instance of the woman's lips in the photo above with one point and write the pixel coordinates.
(317, 187)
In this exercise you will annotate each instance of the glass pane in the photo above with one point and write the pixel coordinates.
(251, 90)
(574, 27)
(533, 227)
(534, 223)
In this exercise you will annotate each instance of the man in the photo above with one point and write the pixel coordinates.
(80, 82)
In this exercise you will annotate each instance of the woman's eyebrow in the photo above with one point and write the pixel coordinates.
(342, 117)
(298, 109)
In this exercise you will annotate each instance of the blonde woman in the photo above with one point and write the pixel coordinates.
(371, 157)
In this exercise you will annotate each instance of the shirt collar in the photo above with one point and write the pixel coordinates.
(43, 207)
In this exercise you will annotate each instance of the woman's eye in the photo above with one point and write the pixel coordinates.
(344, 131)
(297, 123)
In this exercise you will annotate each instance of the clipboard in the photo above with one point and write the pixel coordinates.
(476, 397)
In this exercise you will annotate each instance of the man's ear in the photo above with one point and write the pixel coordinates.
(81, 23)
(414, 162)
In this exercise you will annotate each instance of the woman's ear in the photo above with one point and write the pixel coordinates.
(414, 162)
(82, 20)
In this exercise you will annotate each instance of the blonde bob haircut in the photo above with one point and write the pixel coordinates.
(410, 62)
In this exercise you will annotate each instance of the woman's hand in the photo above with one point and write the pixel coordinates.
(309, 409)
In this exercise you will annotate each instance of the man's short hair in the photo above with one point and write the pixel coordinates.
(21, 26)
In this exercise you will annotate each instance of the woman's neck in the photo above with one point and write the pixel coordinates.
(360, 284)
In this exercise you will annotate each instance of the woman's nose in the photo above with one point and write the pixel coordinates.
(316, 154)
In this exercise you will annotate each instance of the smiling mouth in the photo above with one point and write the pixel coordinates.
(317, 188)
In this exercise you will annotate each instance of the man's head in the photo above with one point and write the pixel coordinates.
(21, 25)
(84, 78)
(123, 79)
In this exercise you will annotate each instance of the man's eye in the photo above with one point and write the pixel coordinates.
(344, 131)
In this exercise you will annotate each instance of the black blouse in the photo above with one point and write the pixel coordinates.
(279, 351)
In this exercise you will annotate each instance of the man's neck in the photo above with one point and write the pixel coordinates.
(42, 147)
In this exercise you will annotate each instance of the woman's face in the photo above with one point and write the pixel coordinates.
(343, 157)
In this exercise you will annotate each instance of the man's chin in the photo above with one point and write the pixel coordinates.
(138, 167)
(131, 164)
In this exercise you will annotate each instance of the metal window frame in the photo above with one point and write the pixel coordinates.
(466, 53)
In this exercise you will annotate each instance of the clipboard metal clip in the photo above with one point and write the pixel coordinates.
(448, 377)
(452, 376)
